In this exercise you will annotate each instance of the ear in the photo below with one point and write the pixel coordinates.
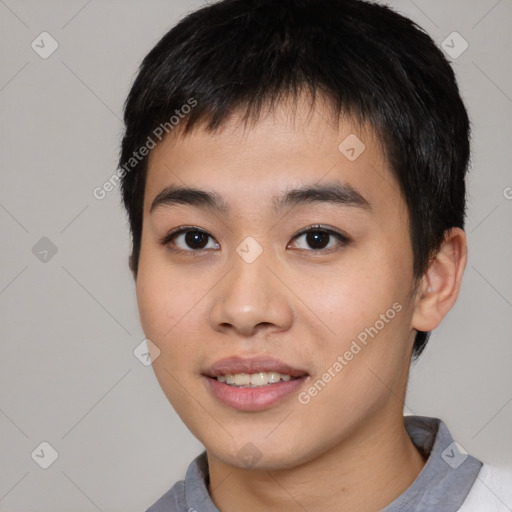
(439, 286)
(131, 264)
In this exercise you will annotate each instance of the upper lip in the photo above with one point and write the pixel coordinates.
(237, 364)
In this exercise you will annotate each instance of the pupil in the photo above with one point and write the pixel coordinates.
(194, 239)
(316, 238)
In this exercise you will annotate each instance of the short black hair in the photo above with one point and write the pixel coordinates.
(368, 61)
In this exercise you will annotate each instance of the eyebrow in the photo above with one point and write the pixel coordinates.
(341, 194)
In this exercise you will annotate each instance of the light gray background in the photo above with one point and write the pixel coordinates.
(69, 326)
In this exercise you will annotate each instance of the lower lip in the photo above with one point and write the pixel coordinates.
(253, 399)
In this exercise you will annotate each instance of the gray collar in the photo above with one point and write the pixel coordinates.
(447, 476)
(443, 484)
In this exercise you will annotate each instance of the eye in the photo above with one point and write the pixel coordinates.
(189, 239)
(319, 239)
(194, 240)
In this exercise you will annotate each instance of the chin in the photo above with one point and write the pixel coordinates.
(260, 454)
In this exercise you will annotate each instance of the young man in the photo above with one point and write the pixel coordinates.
(293, 173)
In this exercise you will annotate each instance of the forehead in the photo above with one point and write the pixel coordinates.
(295, 143)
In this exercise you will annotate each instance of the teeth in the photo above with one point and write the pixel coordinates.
(242, 379)
(253, 380)
(274, 377)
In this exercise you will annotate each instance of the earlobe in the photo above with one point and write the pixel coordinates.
(440, 284)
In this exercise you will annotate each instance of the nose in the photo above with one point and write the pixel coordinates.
(251, 298)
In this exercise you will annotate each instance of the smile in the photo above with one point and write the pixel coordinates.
(253, 380)
(253, 383)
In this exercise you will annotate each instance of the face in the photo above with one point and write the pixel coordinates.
(279, 292)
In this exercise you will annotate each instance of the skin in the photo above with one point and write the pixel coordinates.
(347, 448)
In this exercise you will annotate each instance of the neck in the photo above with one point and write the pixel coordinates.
(366, 471)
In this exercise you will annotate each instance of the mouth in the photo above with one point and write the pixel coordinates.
(253, 380)
(253, 384)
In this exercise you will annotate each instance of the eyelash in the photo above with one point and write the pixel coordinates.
(167, 239)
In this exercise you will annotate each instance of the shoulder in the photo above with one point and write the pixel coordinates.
(172, 501)
(491, 492)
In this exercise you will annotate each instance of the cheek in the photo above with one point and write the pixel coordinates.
(164, 296)
(172, 316)
(365, 312)
(153, 302)
(163, 318)
(347, 298)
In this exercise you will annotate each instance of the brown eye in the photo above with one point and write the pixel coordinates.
(319, 239)
(196, 239)
(187, 239)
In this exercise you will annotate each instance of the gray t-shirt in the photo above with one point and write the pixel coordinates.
(442, 485)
